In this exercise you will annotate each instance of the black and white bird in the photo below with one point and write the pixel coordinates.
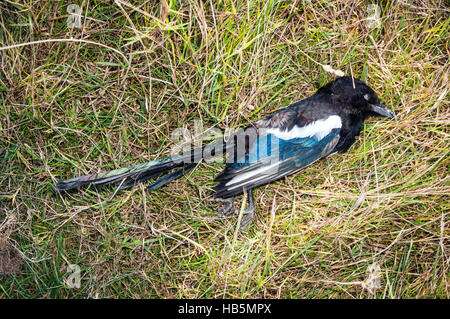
(278, 145)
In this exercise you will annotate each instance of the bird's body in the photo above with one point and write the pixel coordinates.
(278, 145)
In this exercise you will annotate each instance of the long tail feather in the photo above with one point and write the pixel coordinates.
(171, 177)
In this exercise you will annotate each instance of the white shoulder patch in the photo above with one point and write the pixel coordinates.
(318, 129)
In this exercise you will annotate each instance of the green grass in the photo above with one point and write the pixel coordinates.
(140, 70)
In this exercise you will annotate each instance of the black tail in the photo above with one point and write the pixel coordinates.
(132, 175)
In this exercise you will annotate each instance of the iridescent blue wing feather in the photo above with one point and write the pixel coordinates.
(270, 158)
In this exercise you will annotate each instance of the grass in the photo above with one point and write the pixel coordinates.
(135, 71)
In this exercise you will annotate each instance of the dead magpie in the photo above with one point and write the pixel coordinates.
(278, 145)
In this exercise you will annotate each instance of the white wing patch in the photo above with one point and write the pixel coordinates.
(318, 129)
(238, 178)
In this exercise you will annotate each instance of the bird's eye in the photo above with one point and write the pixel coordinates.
(366, 97)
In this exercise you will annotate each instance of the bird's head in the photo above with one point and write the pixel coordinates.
(357, 95)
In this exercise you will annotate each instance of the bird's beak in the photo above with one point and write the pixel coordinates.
(382, 110)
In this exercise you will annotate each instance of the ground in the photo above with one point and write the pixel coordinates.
(80, 96)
